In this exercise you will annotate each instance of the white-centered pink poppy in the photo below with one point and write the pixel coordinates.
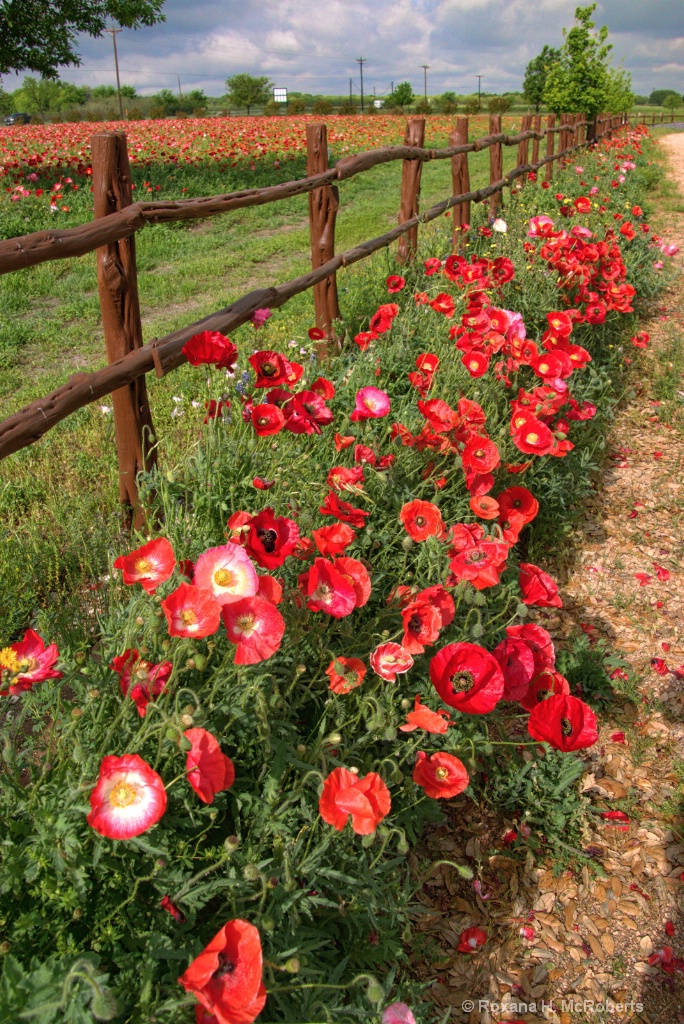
(371, 403)
(129, 798)
(227, 572)
(389, 660)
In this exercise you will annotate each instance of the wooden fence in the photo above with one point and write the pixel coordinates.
(117, 219)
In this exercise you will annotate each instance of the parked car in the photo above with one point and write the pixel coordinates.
(18, 119)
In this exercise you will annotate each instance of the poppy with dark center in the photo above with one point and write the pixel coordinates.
(441, 775)
(267, 419)
(480, 565)
(226, 976)
(480, 455)
(542, 686)
(422, 519)
(519, 501)
(564, 722)
(139, 679)
(271, 368)
(422, 625)
(306, 412)
(270, 539)
(327, 590)
(468, 678)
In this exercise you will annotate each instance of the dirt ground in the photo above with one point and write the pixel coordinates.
(592, 931)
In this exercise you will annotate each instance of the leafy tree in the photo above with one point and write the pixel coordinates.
(40, 95)
(6, 101)
(129, 92)
(402, 95)
(582, 78)
(103, 92)
(40, 35)
(499, 104)
(673, 101)
(536, 74)
(449, 103)
(247, 91)
(658, 96)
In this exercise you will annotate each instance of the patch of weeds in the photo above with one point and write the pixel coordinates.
(596, 673)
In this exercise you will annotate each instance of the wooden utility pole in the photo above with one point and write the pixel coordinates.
(118, 287)
(113, 33)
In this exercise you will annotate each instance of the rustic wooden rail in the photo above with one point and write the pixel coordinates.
(117, 219)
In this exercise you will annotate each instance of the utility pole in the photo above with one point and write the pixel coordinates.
(361, 61)
(350, 93)
(179, 88)
(113, 33)
(426, 68)
(479, 79)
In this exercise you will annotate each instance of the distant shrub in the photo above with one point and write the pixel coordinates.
(347, 108)
(135, 114)
(321, 106)
(157, 112)
(271, 108)
(297, 105)
(471, 107)
(499, 104)
(423, 107)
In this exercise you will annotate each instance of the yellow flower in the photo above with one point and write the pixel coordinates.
(9, 660)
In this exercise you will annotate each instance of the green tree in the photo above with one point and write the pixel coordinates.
(536, 74)
(247, 91)
(657, 97)
(448, 103)
(40, 35)
(40, 95)
(103, 92)
(582, 78)
(499, 104)
(129, 92)
(402, 95)
(673, 101)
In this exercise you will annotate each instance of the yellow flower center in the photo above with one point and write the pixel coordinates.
(188, 617)
(442, 774)
(224, 578)
(532, 438)
(9, 660)
(245, 624)
(123, 795)
(143, 566)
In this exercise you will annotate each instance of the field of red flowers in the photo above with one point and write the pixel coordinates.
(335, 627)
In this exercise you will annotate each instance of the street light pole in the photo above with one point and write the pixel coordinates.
(113, 33)
(479, 79)
(361, 61)
(426, 68)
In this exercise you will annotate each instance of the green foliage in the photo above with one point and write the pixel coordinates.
(246, 91)
(471, 106)
(499, 104)
(582, 79)
(673, 101)
(448, 103)
(39, 35)
(536, 74)
(321, 105)
(423, 106)
(658, 97)
(402, 95)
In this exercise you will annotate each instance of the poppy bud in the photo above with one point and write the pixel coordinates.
(375, 991)
(407, 543)
(187, 721)
(190, 663)
(159, 863)
(300, 669)
(301, 748)
(200, 662)
(159, 613)
(267, 924)
(292, 965)
(5, 948)
(251, 873)
(93, 694)
(76, 713)
(80, 657)
(333, 738)
(184, 743)
(231, 843)
(166, 644)
(402, 846)
(189, 709)
(139, 621)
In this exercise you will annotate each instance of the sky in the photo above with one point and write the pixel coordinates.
(313, 46)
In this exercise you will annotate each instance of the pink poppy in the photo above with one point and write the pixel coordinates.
(140, 680)
(390, 660)
(371, 403)
(226, 572)
(128, 798)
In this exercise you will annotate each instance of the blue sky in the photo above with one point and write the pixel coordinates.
(312, 46)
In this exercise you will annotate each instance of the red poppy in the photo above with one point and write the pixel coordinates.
(395, 283)
(334, 539)
(210, 347)
(565, 722)
(342, 442)
(171, 908)
(345, 674)
(481, 564)
(191, 612)
(140, 680)
(439, 414)
(471, 939)
(519, 501)
(26, 662)
(272, 369)
(316, 333)
(267, 419)
(516, 659)
(468, 678)
(422, 519)
(533, 437)
(261, 484)
(423, 717)
(306, 412)
(271, 539)
(270, 589)
(256, 626)
(342, 510)
(128, 798)
(480, 455)
(544, 684)
(356, 575)
(444, 304)
(538, 588)
(148, 565)
(422, 624)
(364, 338)
(215, 409)
(441, 775)
(209, 770)
(366, 799)
(341, 478)
(226, 976)
(328, 590)
(583, 204)
(383, 318)
(538, 640)
(323, 387)
(389, 660)
(432, 265)
(476, 363)
(484, 507)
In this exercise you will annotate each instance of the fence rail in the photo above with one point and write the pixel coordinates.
(117, 219)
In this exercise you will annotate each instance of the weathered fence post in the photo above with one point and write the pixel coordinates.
(495, 164)
(460, 182)
(118, 287)
(410, 189)
(523, 147)
(550, 146)
(536, 126)
(323, 205)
